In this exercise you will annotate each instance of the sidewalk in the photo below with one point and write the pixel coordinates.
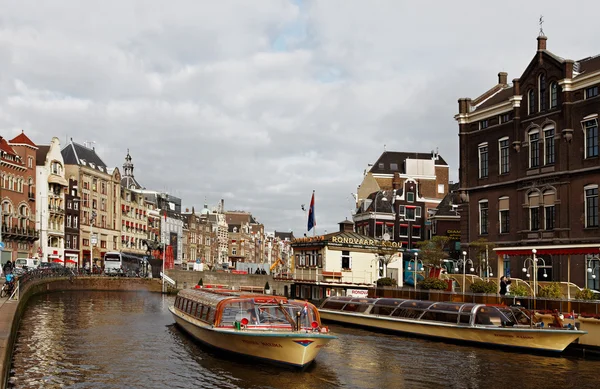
(8, 310)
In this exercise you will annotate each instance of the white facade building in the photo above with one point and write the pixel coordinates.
(50, 210)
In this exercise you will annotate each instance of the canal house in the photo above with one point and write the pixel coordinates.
(341, 263)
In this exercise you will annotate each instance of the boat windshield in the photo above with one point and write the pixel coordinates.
(516, 315)
(495, 316)
(268, 314)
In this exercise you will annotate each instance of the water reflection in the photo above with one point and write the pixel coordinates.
(128, 340)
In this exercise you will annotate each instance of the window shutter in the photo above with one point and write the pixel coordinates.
(549, 198)
(503, 204)
(534, 201)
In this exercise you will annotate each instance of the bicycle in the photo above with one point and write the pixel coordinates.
(7, 289)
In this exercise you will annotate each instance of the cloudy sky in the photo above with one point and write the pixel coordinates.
(261, 102)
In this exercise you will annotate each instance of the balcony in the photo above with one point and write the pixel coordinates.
(16, 233)
(54, 209)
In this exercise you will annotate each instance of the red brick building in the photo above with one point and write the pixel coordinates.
(530, 168)
(17, 194)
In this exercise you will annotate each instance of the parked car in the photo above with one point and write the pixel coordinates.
(27, 263)
(50, 265)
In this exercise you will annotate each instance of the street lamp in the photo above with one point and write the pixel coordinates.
(414, 269)
(532, 263)
(464, 262)
(591, 269)
(375, 216)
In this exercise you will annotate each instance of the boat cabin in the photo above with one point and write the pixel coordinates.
(444, 312)
(228, 309)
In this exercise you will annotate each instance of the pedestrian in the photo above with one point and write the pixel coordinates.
(504, 282)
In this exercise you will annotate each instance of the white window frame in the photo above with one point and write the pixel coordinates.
(529, 134)
(555, 85)
(585, 137)
(488, 217)
(537, 207)
(504, 139)
(500, 215)
(585, 204)
(550, 128)
(479, 154)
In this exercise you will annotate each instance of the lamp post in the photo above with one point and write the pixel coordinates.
(532, 263)
(464, 262)
(592, 270)
(375, 216)
(415, 269)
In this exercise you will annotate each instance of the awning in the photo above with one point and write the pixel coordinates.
(57, 260)
(567, 249)
(71, 261)
(54, 179)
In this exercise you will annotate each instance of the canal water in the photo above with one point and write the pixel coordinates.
(128, 340)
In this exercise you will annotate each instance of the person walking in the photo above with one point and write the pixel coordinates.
(504, 282)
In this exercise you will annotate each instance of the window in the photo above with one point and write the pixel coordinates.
(441, 189)
(531, 101)
(416, 231)
(69, 221)
(483, 217)
(542, 91)
(504, 153)
(404, 230)
(591, 206)
(549, 210)
(393, 166)
(417, 212)
(411, 213)
(410, 197)
(346, 260)
(591, 92)
(503, 209)
(103, 204)
(75, 223)
(95, 184)
(591, 138)
(534, 211)
(553, 95)
(483, 160)
(534, 149)
(94, 204)
(483, 124)
(549, 146)
(233, 251)
(76, 205)
(30, 162)
(505, 117)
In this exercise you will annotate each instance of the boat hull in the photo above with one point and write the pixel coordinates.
(288, 348)
(514, 337)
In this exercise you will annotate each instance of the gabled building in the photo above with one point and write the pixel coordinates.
(134, 212)
(100, 191)
(17, 195)
(529, 168)
(445, 221)
(50, 214)
(246, 238)
(396, 195)
(72, 217)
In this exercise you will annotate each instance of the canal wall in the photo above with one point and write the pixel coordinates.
(11, 311)
(186, 279)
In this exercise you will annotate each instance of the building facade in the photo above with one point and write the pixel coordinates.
(100, 206)
(529, 167)
(134, 212)
(72, 217)
(17, 196)
(51, 188)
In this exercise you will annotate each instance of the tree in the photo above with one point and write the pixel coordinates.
(385, 258)
(480, 251)
(433, 251)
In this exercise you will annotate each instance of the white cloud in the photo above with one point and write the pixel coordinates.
(261, 102)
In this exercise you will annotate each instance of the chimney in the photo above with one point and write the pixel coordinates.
(516, 87)
(541, 42)
(464, 105)
(502, 78)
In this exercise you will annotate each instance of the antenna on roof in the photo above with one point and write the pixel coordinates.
(384, 147)
(541, 22)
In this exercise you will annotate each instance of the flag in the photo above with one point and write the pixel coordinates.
(312, 222)
(165, 215)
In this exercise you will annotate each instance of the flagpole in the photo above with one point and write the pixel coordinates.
(313, 215)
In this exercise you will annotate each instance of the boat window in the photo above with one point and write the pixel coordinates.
(467, 308)
(271, 314)
(389, 302)
(363, 300)
(450, 307)
(211, 315)
(446, 317)
(236, 311)
(382, 310)
(199, 311)
(332, 304)
(356, 307)
(465, 319)
(191, 307)
(308, 313)
(416, 304)
(489, 316)
(408, 313)
(520, 315)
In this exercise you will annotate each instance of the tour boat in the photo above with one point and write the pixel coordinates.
(270, 328)
(494, 325)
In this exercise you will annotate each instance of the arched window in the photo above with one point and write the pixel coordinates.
(542, 91)
(553, 95)
(531, 101)
(534, 211)
(503, 214)
(549, 155)
(483, 217)
(549, 210)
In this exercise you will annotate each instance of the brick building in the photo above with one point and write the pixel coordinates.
(396, 194)
(530, 170)
(17, 196)
(72, 217)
